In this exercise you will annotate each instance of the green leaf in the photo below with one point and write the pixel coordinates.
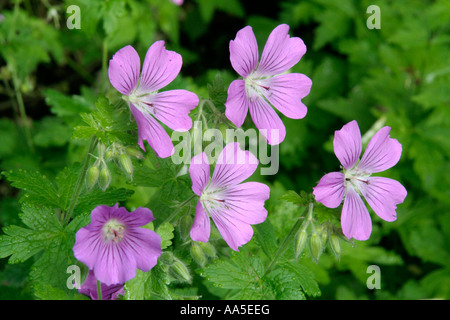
(45, 291)
(45, 238)
(301, 199)
(165, 231)
(39, 189)
(88, 201)
(107, 123)
(305, 278)
(65, 106)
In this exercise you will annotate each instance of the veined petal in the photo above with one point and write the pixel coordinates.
(124, 70)
(145, 244)
(383, 195)
(330, 190)
(246, 201)
(234, 231)
(160, 68)
(355, 219)
(347, 144)
(201, 228)
(199, 171)
(233, 166)
(281, 52)
(149, 129)
(114, 264)
(244, 52)
(267, 121)
(285, 93)
(87, 246)
(172, 108)
(381, 153)
(237, 103)
(138, 218)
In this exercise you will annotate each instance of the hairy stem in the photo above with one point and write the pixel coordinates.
(79, 184)
(22, 111)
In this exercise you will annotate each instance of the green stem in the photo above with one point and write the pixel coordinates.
(99, 290)
(81, 177)
(104, 64)
(288, 239)
(22, 111)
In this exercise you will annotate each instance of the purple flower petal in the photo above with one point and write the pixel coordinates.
(160, 68)
(330, 189)
(285, 93)
(233, 166)
(381, 153)
(281, 52)
(383, 195)
(172, 108)
(244, 52)
(149, 129)
(201, 228)
(234, 231)
(355, 219)
(124, 70)
(267, 121)
(246, 201)
(237, 103)
(113, 245)
(199, 171)
(347, 144)
(89, 288)
(114, 264)
(145, 244)
(88, 245)
(138, 218)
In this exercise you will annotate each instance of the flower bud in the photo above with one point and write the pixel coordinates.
(109, 155)
(197, 254)
(300, 242)
(92, 177)
(185, 225)
(335, 244)
(133, 152)
(104, 178)
(126, 164)
(166, 257)
(208, 249)
(180, 271)
(315, 244)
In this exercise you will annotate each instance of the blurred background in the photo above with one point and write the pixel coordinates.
(396, 74)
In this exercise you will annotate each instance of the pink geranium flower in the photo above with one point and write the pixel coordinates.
(382, 194)
(147, 105)
(266, 85)
(113, 245)
(232, 205)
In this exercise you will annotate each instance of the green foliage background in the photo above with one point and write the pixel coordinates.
(55, 95)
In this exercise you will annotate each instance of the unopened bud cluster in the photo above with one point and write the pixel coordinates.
(320, 237)
(99, 173)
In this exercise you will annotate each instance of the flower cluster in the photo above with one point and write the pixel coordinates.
(114, 244)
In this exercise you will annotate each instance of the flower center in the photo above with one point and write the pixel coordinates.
(113, 230)
(212, 200)
(355, 178)
(254, 88)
